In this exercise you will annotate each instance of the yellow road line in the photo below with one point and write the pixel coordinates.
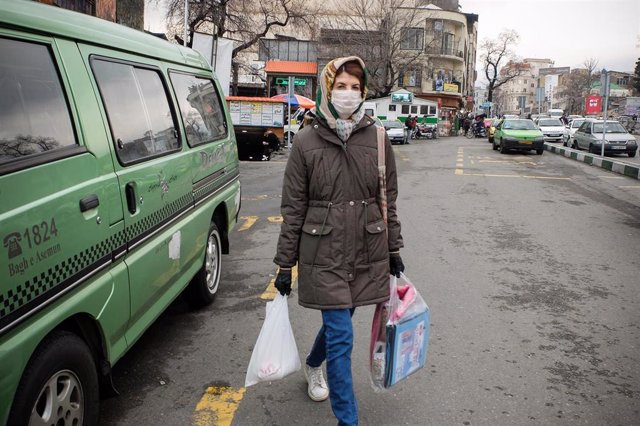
(271, 290)
(275, 219)
(249, 221)
(217, 406)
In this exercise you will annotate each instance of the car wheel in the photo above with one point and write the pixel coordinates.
(59, 385)
(203, 288)
(539, 151)
(631, 153)
(503, 149)
(592, 150)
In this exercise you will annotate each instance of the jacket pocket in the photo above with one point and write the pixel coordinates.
(376, 243)
(315, 242)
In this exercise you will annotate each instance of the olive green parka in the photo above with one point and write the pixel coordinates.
(332, 224)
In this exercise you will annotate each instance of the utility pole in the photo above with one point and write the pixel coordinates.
(186, 21)
(604, 91)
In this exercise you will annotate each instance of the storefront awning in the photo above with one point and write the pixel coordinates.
(291, 68)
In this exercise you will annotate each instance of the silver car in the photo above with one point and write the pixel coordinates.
(570, 130)
(617, 139)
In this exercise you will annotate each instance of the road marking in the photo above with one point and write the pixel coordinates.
(249, 221)
(217, 406)
(271, 290)
(257, 198)
(460, 162)
(512, 176)
(630, 186)
(275, 219)
(611, 177)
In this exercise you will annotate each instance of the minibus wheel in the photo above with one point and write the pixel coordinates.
(203, 288)
(59, 385)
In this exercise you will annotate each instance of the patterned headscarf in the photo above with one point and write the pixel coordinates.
(324, 107)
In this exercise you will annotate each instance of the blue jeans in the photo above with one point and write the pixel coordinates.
(334, 343)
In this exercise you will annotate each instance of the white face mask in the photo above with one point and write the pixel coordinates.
(345, 102)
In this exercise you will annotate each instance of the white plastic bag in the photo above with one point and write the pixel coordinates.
(275, 354)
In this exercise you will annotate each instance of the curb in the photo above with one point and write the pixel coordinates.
(632, 171)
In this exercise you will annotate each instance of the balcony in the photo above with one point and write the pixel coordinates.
(449, 53)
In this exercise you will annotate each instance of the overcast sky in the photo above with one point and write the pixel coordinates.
(565, 31)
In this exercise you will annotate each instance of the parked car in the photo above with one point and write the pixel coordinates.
(551, 128)
(569, 130)
(518, 134)
(617, 139)
(395, 131)
(119, 180)
(491, 130)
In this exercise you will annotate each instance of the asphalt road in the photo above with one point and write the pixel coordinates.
(530, 265)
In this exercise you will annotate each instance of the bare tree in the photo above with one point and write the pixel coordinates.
(590, 64)
(244, 21)
(574, 90)
(387, 34)
(497, 53)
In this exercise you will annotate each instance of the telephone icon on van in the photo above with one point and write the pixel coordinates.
(12, 242)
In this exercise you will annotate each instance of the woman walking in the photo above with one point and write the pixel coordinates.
(333, 227)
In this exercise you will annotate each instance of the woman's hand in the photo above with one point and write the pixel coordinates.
(395, 264)
(283, 281)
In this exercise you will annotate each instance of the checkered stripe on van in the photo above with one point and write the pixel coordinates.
(45, 281)
(59, 274)
(156, 218)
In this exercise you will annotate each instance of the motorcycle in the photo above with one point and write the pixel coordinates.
(477, 131)
(424, 130)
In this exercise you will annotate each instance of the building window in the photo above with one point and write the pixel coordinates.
(405, 109)
(392, 108)
(287, 50)
(411, 78)
(424, 109)
(448, 40)
(412, 39)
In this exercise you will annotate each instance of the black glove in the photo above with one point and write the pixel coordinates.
(395, 264)
(283, 281)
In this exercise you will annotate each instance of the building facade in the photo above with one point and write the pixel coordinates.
(125, 12)
(437, 48)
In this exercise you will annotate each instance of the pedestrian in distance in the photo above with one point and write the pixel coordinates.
(270, 144)
(466, 123)
(333, 227)
(407, 129)
(564, 119)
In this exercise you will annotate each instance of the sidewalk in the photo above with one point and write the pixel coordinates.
(613, 165)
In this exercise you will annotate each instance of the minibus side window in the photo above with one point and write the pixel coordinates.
(202, 113)
(139, 114)
(34, 117)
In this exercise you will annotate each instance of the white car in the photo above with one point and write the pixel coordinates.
(395, 131)
(569, 131)
(552, 129)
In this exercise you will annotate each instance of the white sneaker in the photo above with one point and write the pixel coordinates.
(317, 389)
